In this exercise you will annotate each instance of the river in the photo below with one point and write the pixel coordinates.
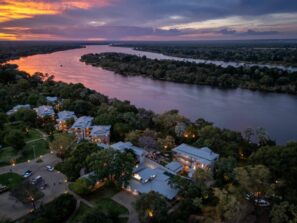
(235, 109)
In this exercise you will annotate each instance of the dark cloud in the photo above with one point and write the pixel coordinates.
(128, 18)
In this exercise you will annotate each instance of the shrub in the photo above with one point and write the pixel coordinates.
(81, 186)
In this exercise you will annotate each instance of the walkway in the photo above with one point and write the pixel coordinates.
(127, 200)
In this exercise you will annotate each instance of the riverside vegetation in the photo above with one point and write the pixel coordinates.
(254, 77)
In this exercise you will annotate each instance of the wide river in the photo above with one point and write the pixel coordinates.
(234, 109)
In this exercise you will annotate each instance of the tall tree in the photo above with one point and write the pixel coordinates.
(112, 166)
(15, 138)
(152, 207)
(61, 144)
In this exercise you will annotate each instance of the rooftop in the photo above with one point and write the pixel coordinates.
(44, 110)
(66, 115)
(121, 146)
(51, 99)
(159, 183)
(100, 130)
(18, 107)
(83, 122)
(174, 166)
(204, 155)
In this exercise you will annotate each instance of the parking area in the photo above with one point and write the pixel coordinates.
(55, 181)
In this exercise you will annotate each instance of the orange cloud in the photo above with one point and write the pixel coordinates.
(19, 9)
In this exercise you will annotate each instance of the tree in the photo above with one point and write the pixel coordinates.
(3, 119)
(61, 144)
(254, 179)
(228, 206)
(167, 144)
(15, 138)
(112, 166)
(282, 163)
(81, 186)
(224, 171)
(283, 213)
(25, 115)
(249, 133)
(27, 193)
(152, 207)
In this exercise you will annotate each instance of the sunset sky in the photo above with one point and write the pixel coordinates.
(147, 19)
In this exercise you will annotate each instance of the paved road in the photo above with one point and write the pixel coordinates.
(127, 200)
(11, 208)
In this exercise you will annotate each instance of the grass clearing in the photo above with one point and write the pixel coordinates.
(10, 179)
(81, 211)
(33, 134)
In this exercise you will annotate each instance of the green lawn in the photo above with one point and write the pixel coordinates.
(6, 155)
(81, 211)
(32, 134)
(103, 192)
(102, 198)
(10, 179)
(40, 147)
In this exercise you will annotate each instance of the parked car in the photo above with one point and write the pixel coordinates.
(27, 174)
(3, 188)
(50, 168)
(37, 180)
(262, 203)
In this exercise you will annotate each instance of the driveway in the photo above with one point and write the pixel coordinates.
(127, 200)
(57, 184)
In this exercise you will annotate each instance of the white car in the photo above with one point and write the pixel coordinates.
(262, 203)
(27, 174)
(50, 168)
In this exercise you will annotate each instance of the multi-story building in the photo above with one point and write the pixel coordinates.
(82, 127)
(45, 111)
(100, 134)
(192, 158)
(64, 120)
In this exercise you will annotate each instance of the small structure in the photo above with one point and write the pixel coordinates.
(126, 146)
(174, 166)
(82, 127)
(148, 179)
(192, 157)
(64, 119)
(51, 100)
(45, 111)
(17, 108)
(100, 134)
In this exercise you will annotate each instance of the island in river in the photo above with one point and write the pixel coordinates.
(253, 78)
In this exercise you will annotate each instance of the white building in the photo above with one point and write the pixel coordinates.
(63, 120)
(45, 111)
(82, 127)
(149, 179)
(192, 157)
(17, 108)
(123, 146)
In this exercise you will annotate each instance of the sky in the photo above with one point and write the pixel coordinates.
(147, 19)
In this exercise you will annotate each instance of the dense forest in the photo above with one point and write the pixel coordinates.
(262, 52)
(243, 166)
(14, 50)
(254, 78)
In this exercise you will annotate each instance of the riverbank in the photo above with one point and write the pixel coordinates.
(236, 109)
